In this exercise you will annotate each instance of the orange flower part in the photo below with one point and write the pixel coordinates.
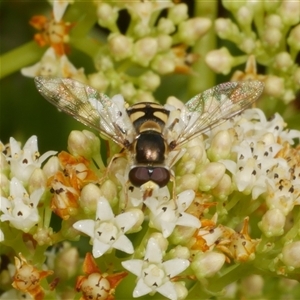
(53, 33)
(27, 278)
(238, 245)
(184, 60)
(64, 202)
(96, 285)
(66, 185)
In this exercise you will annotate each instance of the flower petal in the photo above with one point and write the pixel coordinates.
(134, 266)
(153, 252)
(175, 266)
(104, 211)
(99, 248)
(141, 289)
(124, 244)
(85, 226)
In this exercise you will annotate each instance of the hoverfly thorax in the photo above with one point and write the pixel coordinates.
(150, 147)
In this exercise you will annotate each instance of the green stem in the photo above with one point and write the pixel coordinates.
(20, 57)
(205, 77)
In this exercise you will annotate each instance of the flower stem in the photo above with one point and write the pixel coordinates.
(205, 77)
(20, 57)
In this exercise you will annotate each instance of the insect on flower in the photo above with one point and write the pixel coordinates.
(150, 134)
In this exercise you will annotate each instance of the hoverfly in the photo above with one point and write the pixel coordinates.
(150, 134)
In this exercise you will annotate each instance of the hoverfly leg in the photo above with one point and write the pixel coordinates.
(107, 170)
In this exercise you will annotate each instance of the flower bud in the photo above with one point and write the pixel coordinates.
(223, 188)
(128, 90)
(210, 175)
(289, 12)
(188, 182)
(98, 81)
(283, 61)
(248, 45)
(83, 143)
(244, 16)
(161, 241)
(89, 198)
(233, 5)
(178, 252)
(178, 13)
(149, 81)
(181, 290)
(4, 185)
(51, 166)
(120, 46)
(220, 60)
(272, 223)
(220, 147)
(144, 50)
(191, 30)
(207, 264)
(163, 64)
(139, 216)
(294, 38)
(274, 86)
(273, 21)
(252, 286)
(272, 37)
(109, 191)
(4, 165)
(141, 29)
(165, 26)
(69, 258)
(164, 42)
(291, 255)
(225, 28)
(107, 15)
(37, 180)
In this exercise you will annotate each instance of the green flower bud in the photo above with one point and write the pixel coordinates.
(252, 286)
(37, 180)
(120, 46)
(244, 16)
(291, 255)
(144, 50)
(226, 29)
(274, 86)
(220, 146)
(51, 166)
(220, 61)
(163, 64)
(164, 42)
(210, 175)
(128, 90)
(107, 15)
(98, 81)
(290, 12)
(191, 30)
(187, 182)
(283, 61)
(294, 38)
(149, 81)
(207, 264)
(89, 198)
(178, 13)
(140, 219)
(223, 188)
(165, 26)
(109, 191)
(272, 223)
(83, 143)
(272, 37)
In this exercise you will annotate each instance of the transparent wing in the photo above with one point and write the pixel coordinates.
(89, 107)
(208, 109)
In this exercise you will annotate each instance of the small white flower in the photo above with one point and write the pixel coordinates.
(108, 231)
(154, 274)
(20, 209)
(165, 216)
(24, 161)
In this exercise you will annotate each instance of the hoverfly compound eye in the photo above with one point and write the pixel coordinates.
(140, 175)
